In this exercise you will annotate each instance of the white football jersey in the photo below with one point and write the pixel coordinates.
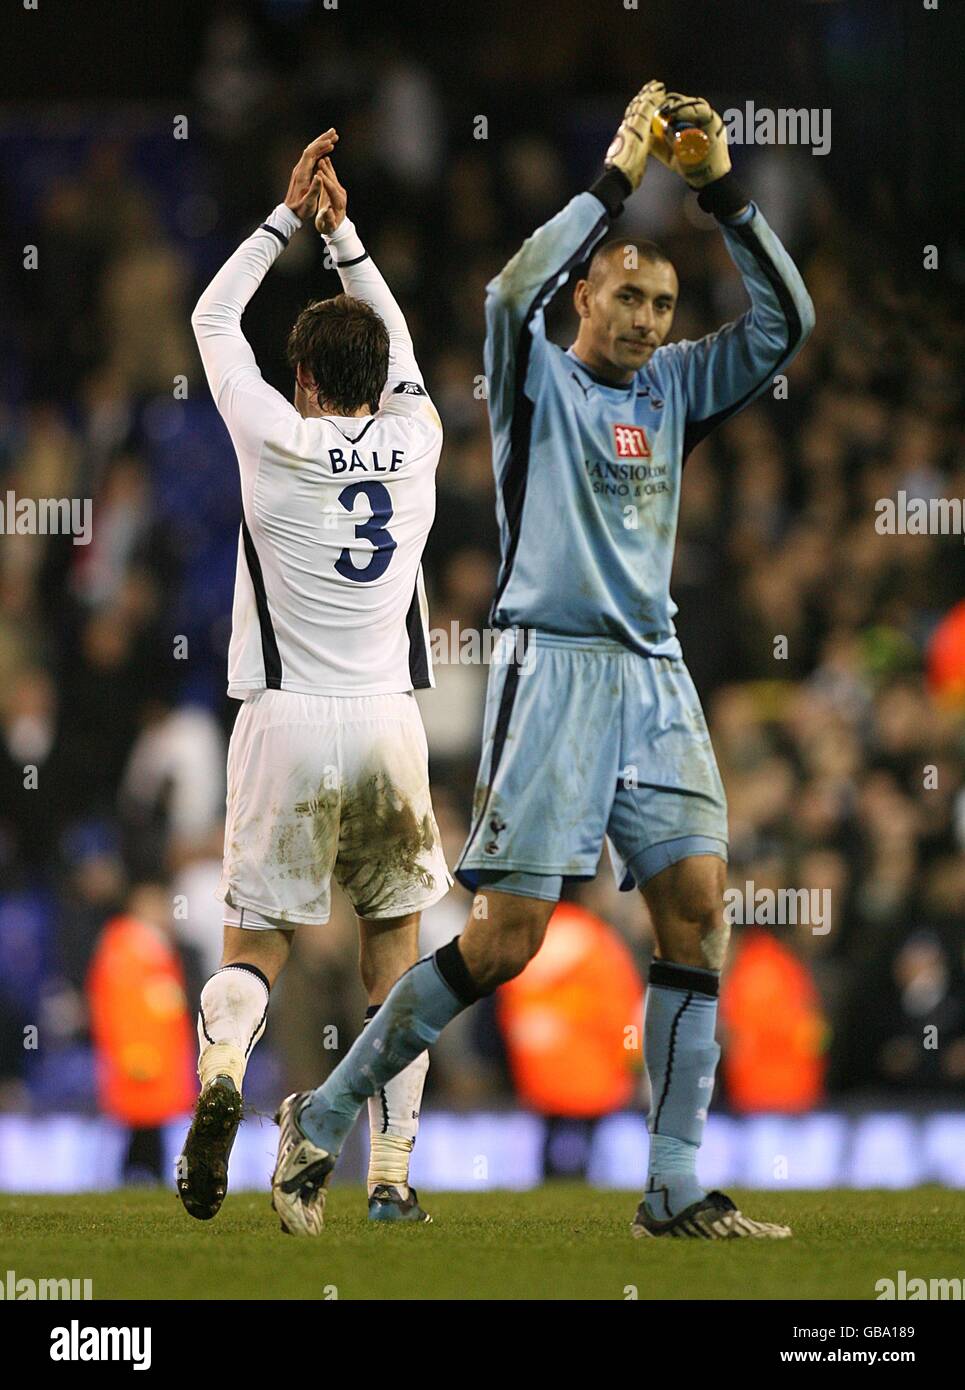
(329, 598)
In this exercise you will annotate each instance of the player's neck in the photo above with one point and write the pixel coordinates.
(313, 410)
(310, 407)
(601, 366)
(327, 408)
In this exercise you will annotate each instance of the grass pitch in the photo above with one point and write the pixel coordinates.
(559, 1242)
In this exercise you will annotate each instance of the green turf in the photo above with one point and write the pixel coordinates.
(558, 1242)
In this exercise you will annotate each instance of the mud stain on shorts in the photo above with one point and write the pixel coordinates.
(288, 852)
(381, 843)
(323, 808)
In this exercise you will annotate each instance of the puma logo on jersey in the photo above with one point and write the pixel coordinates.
(631, 442)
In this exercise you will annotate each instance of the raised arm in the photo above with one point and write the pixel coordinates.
(516, 298)
(236, 384)
(361, 278)
(723, 372)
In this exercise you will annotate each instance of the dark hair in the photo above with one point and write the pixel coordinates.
(646, 251)
(345, 345)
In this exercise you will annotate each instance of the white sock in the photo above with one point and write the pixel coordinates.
(394, 1123)
(234, 1010)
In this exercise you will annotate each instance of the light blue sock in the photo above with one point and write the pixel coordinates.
(681, 1055)
(418, 1007)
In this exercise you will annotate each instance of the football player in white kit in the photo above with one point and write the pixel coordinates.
(327, 766)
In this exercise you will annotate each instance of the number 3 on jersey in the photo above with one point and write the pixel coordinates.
(372, 530)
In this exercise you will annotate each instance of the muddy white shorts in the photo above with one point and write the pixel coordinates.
(321, 785)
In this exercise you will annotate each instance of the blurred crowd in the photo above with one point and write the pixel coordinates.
(842, 748)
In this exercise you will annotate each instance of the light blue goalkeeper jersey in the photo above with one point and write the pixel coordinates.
(588, 474)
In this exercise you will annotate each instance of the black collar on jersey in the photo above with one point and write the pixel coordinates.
(368, 425)
(601, 380)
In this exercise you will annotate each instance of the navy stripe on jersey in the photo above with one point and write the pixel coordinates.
(418, 655)
(269, 643)
(696, 430)
(514, 480)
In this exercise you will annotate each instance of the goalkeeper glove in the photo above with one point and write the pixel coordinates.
(631, 144)
(692, 111)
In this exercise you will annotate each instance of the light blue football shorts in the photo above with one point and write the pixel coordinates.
(585, 739)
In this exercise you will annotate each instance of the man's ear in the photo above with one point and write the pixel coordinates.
(305, 378)
(581, 298)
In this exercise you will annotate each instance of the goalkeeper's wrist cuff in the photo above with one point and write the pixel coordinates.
(723, 198)
(740, 218)
(612, 188)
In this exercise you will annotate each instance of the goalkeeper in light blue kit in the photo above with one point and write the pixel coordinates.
(593, 727)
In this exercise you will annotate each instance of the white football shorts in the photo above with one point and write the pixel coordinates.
(328, 784)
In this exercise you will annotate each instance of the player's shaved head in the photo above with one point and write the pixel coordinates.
(627, 253)
(626, 306)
